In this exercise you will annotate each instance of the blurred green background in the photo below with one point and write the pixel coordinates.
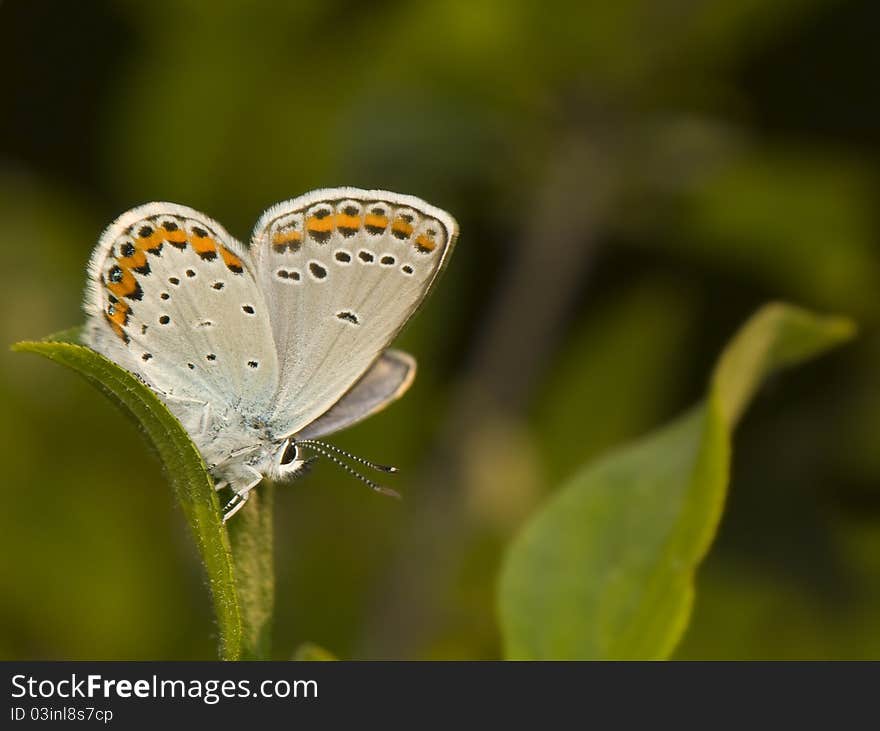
(632, 180)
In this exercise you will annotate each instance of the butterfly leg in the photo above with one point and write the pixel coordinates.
(241, 494)
(234, 505)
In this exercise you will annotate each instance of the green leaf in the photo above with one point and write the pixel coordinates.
(606, 569)
(242, 590)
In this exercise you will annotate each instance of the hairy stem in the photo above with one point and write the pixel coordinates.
(251, 535)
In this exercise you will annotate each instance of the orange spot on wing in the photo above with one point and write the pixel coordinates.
(116, 316)
(204, 245)
(371, 220)
(402, 227)
(135, 261)
(155, 240)
(343, 220)
(119, 314)
(281, 240)
(285, 237)
(178, 236)
(116, 328)
(313, 223)
(424, 243)
(126, 286)
(233, 263)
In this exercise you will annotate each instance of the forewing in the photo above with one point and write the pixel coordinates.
(386, 381)
(172, 297)
(343, 270)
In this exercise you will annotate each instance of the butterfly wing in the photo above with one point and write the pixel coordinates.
(386, 381)
(343, 270)
(172, 297)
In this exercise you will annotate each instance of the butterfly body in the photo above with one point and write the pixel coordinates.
(238, 447)
(256, 348)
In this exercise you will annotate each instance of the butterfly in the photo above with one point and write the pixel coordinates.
(260, 350)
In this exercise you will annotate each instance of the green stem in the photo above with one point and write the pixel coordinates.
(251, 536)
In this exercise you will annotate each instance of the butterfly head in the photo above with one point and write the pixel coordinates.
(286, 460)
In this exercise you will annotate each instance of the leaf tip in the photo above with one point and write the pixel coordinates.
(835, 328)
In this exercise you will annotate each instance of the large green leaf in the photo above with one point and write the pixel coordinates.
(606, 569)
(242, 588)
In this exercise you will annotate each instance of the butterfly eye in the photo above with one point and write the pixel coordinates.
(290, 453)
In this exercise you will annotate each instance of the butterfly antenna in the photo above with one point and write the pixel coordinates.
(355, 458)
(319, 448)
